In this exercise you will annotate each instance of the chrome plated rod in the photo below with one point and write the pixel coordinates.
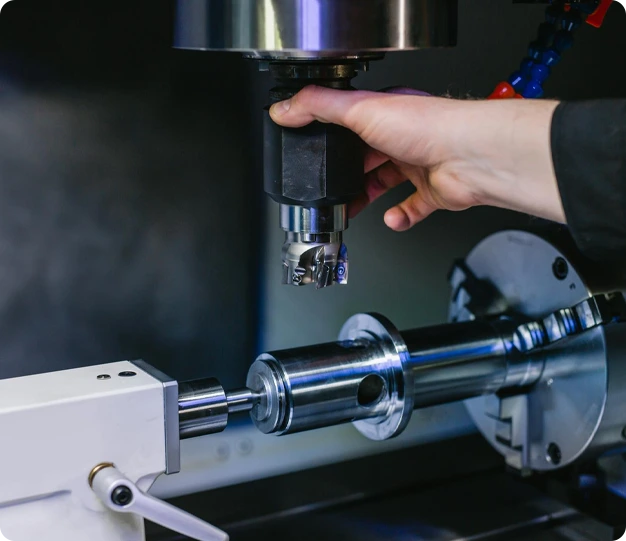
(457, 361)
(241, 400)
(202, 408)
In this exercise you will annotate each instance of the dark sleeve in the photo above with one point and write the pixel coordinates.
(589, 155)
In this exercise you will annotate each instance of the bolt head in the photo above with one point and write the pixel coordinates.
(122, 496)
(560, 268)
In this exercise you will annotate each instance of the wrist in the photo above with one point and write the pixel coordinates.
(506, 152)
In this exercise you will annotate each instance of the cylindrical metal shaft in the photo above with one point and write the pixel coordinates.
(375, 377)
(379, 374)
(317, 386)
(455, 362)
(241, 400)
(203, 406)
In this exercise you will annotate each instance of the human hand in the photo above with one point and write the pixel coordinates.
(458, 154)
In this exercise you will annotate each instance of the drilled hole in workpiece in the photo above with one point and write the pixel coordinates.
(371, 390)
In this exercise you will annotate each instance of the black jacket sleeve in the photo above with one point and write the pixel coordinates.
(589, 156)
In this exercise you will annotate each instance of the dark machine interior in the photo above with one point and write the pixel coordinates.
(131, 224)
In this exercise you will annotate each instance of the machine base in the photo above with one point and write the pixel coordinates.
(450, 490)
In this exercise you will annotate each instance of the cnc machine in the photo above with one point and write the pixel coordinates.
(535, 348)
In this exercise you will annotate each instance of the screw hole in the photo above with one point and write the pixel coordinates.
(127, 374)
(560, 268)
(553, 454)
(371, 390)
(103, 376)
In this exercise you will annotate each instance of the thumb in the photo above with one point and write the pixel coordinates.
(321, 104)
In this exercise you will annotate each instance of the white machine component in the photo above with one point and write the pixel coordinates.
(57, 441)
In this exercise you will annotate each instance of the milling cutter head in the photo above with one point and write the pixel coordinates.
(313, 261)
(314, 252)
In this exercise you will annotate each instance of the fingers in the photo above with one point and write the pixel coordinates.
(408, 213)
(377, 182)
(374, 159)
(382, 179)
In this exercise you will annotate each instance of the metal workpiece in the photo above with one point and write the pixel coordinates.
(457, 361)
(314, 28)
(397, 399)
(204, 406)
(328, 384)
(375, 376)
(241, 400)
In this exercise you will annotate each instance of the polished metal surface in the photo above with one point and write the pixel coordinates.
(241, 400)
(556, 421)
(320, 386)
(314, 28)
(321, 260)
(457, 361)
(203, 408)
(611, 432)
(375, 376)
(297, 219)
(313, 252)
(398, 400)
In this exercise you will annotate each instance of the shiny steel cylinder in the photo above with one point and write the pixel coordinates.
(310, 220)
(241, 400)
(314, 28)
(318, 386)
(457, 361)
(202, 408)
(375, 376)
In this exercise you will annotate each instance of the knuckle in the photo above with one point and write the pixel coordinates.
(310, 97)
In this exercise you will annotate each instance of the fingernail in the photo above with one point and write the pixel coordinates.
(396, 219)
(280, 108)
